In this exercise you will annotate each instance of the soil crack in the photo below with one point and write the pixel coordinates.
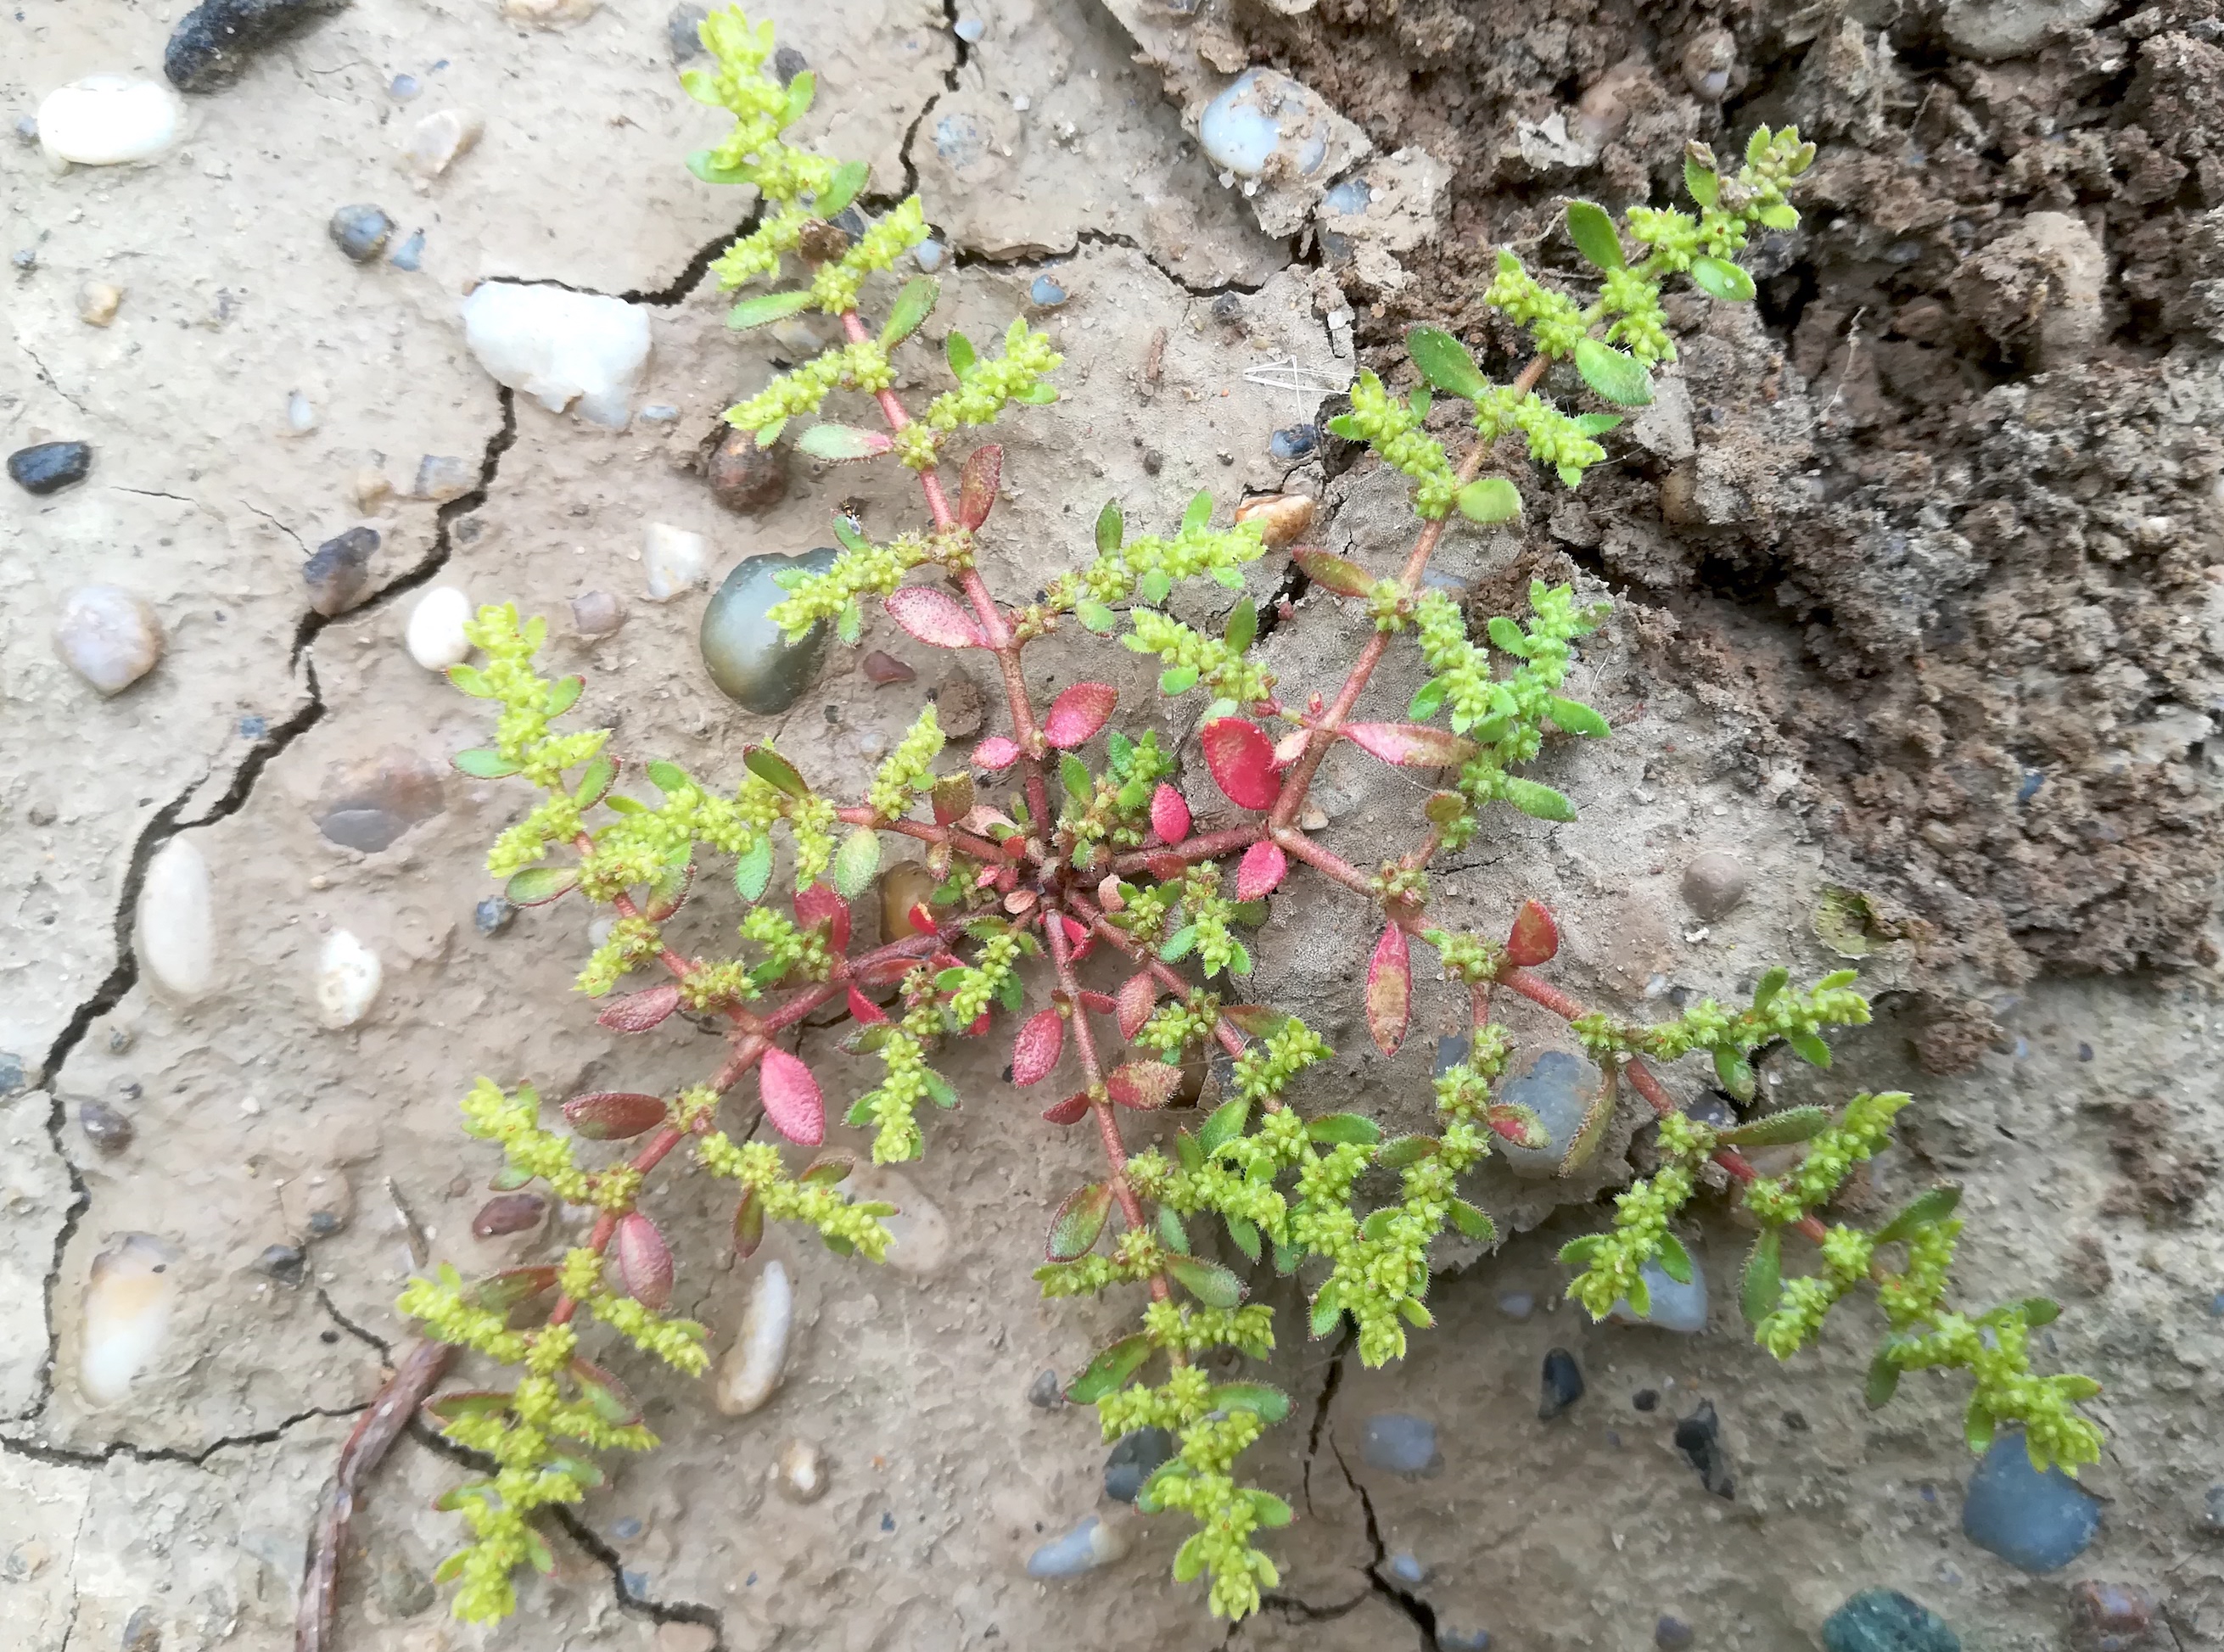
(70, 1457)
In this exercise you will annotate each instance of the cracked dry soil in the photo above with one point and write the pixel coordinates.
(2085, 1121)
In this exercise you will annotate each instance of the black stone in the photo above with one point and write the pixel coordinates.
(361, 231)
(49, 466)
(493, 914)
(1133, 1460)
(338, 569)
(1698, 1437)
(1562, 1384)
(217, 38)
(1646, 1399)
(108, 1129)
(1672, 1633)
(747, 656)
(787, 63)
(1044, 1392)
(283, 1262)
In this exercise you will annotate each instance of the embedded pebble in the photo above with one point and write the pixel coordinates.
(2037, 1521)
(595, 614)
(441, 139)
(929, 255)
(283, 1262)
(659, 412)
(746, 654)
(127, 1313)
(1044, 292)
(401, 1589)
(435, 635)
(970, 29)
(1562, 1384)
(1673, 1307)
(1045, 1393)
(1672, 1634)
(743, 474)
(1516, 1305)
(108, 636)
(360, 230)
(1292, 445)
(1239, 128)
(142, 1630)
(369, 488)
(2212, 1511)
(493, 914)
(410, 254)
(108, 1130)
(348, 978)
(98, 302)
(673, 561)
(1406, 1567)
(318, 1204)
(881, 669)
(47, 466)
(683, 31)
(2109, 1616)
(27, 129)
(1707, 64)
(105, 120)
(787, 63)
(1400, 1443)
(1463, 1639)
(1451, 1050)
(1698, 1436)
(1284, 517)
(559, 346)
(300, 415)
(339, 570)
(751, 1370)
(1885, 1620)
(1133, 1460)
(177, 921)
(442, 476)
(368, 803)
(508, 1212)
(403, 87)
(1564, 1091)
(1088, 1546)
(214, 42)
(799, 1472)
(798, 336)
(1714, 885)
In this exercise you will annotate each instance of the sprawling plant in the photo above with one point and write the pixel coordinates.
(1081, 845)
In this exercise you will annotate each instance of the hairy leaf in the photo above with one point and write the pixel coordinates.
(613, 1115)
(1539, 801)
(996, 754)
(1593, 232)
(1935, 1206)
(1615, 373)
(792, 1100)
(1137, 995)
(912, 306)
(1536, 937)
(644, 1260)
(1241, 761)
(1779, 1129)
(1577, 718)
(1389, 990)
(1070, 1110)
(1491, 499)
(768, 307)
(1262, 870)
(1411, 744)
(857, 862)
(536, 886)
(1209, 1283)
(1145, 1085)
(1109, 1371)
(639, 1012)
(484, 765)
(1268, 1402)
(1718, 278)
(1170, 817)
(1035, 1050)
(1111, 527)
(843, 442)
(1444, 363)
(1338, 574)
(1883, 1379)
(1762, 1281)
(977, 481)
(1078, 712)
(1079, 1220)
(770, 767)
(1337, 1127)
(935, 617)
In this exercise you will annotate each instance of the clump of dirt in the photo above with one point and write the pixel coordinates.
(1944, 536)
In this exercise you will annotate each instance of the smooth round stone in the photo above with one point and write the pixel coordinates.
(1560, 1385)
(300, 413)
(929, 256)
(339, 570)
(1349, 199)
(1133, 1460)
(748, 659)
(970, 29)
(799, 1473)
(108, 636)
(1561, 1089)
(1516, 1305)
(1671, 1634)
(1283, 517)
(1714, 885)
(106, 120)
(176, 931)
(1088, 1546)
(1045, 1393)
(1292, 445)
(2037, 1521)
(559, 346)
(1238, 128)
(1400, 1443)
(360, 231)
(48, 467)
(217, 39)
(128, 1300)
(441, 139)
(1681, 1308)
(752, 1367)
(745, 477)
(596, 614)
(673, 561)
(1406, 1567)
(368, 803)
(348, 979)
(1885, 1620)
(108, 1129)
(435, 635)
(1044, 292)
(403, 87)
(97, 303)
(2110, 1616)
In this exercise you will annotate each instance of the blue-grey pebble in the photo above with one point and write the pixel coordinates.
(1560, 1384)
(1133, 1460)
(410, 254)
(752, 662)
(1400, 1443)
(360, 230)
(1088, 1546)
(2037, 1521)
(1405, 1567)
(1559, 1088)
(339, 570)
(1671, 1634)
(682, 35)
(1451, 1050)
(1045, 293)
(1463, 1639)
(1885, 1620)
(1516, 1305)
(403, 87)
(1292, 443)
(493, 914)
(48, 467)
(1673, 1306)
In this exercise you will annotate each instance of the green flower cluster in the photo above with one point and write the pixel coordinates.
(845, 1223)
(1180, 1023)
(1117, 812)
(1798, 1018)
(1727, 207)
(862, 569)
(1205, 930)
(1612, 1263)
(1191, 657)
(1995, 1349)
(792, 393)
(1864, 1127)
(1567, 442)
(896, 786)
(1391, 426)
(985, 387)
(1149, 567)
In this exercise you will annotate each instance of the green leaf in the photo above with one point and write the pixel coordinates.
(752, 870)
(1977, 1425)
(594, 780)
(667, 777)
(1756, 146)
(1171, 1230)
(800, 90)
(1109, 1371)
(452, 1567)
(1189, 1559)
(937, 1089)
(1242, 625)
(1286, 1257)
(701, 162)
(958, 350)
(1347, 427)
(1269, 1403)
(1811, 1049)
(484, 765)
(537, 884)
(1421, 401)
(1073, 1230)
(1491, 499)
(1507, 636)
(1111, 527)
(472, 681)
(770, 767)
(1780, 215)
(1445, 361)
(564, 694)
(1762, 1282)
(1883, 1379)
(1427, 700)
(841, 443)
(1198, 513)
(1577, 718)
(1328, 1308)
(1474, 1223)
(1675, 1260)
(1073, 774)
(1335, 1128)
(1039, 394)
(1095, 616)
(1770, 984)
(1402, 1150)
(1209, 1283)
(1593, 232)
(1780, 1129)
(1704, 184)
(845, 530)
(856, 862)
(1225, 1126)
(1718, 278)
(1012, 992)
(1597, 424)
(1935, 1206)
(1245, 1233)
(849, 622)
(1540, 802)
(1578, 1252)
(912, 306)
(841, 188)
(1615, 373)
(765, 308)
(1735, 1074)
(2040, 1310)
(1267, 1509)
(1154, 586)
(1176, 679)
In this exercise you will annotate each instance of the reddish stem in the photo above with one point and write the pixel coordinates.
(1208, 847)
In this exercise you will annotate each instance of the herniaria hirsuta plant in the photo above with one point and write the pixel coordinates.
(1076, 857)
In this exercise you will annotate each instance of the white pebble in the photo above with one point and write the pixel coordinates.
(105, 120)
(177, 921)
(752, 1367)
(127, 1313)
(559, 346)
(442, 138)
(1088, 1546)
(108, 636)
(799, 1472)
(348, 977)
(300, 416)
(435, 635)
(674, 559)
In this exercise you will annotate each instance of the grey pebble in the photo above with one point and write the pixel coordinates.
(1698, 1436)
(787, 63)
(970, 29)
(1406, 1567)
(2037, 1521)
(1516, 1305)
(1672, 1633)
(1292, 445)
(1133, 1460)
(1044, 1392)
(1400, 1443)
(339, 570)
(47, 466)
(1044, 292)
(108, 1129)
(493, 914)
(283, 1262)
(142, 1632)
(1463, 1640)
(12, 1076)
(360, 231)
(410, 254)
(214, 42)
(1088, 1546)
(1714, 885)
(682, 31)
(367, 804)
(1561, 1384)
(748, 657)
(403, 87)
(1451, 1050)
(27, 129)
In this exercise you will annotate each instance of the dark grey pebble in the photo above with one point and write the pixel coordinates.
(283, 1262)
(747, 656)
(493, 914)
(1698, 1436)
(2037, 1521)
(1044, 1392)
(1646, 1399)
(217, 38)
(1292, 445)
(360, 231)
(1561, 1383)
(1885, 1620)
(48, 467)
(1133, 1460)
(508, 1212)
(682, 34)
(1400, 1443)
(337, 571)
(1451, 1050)
(1671, 1633)
(105, 1127)
(787, 63)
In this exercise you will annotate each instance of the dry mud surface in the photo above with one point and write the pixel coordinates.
(1942, 515)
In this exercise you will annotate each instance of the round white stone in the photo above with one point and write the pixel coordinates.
(752, 1367)
(673, 561)
(435, 635)
(348, 977)
(108, 636)
(177, 921)
(105, 120)
(559, 346)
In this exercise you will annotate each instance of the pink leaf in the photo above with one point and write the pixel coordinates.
(996, 754)
(613, 1115)
(1079, 713)
(936, 618)
(1536, 937)
(886, 972)
(1079, 936)
(1169, 814)
(1241, 760)
(1035, 1051)
(1413, 745)
(1389, 990)
(1262, 870)
(1137, 995)
(862, 1008)
(977, 488)
(639, 1012)
(820, 904)
(1144, 1085)
(1098, 1003)
(1108, 896)
(1069, 1111)
(790, 1097)
(644, 1260)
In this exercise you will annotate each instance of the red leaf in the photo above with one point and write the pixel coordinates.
(790, 1097)
(613, 1115)
(1035, 1051)
(977, 488)
(1069, 1111)
(1145, 1086)
(644, 1260)
(1518, 1125)
(1389, 990)
(1137, 995)
(1169, 814)
(882, 669)
(1262, 870)
(820, 904)
(922, 920)
(1078, 936)
(862, 1008)
(980, 1025)
(936, 618)
(1413, 745)
(639, 1012)
(996, 754)
(508, 1212)
(1079, 713)
(1338, 574)
(1098, 1003)
(1241, 760)
(749, 1225)
(1536, 937)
